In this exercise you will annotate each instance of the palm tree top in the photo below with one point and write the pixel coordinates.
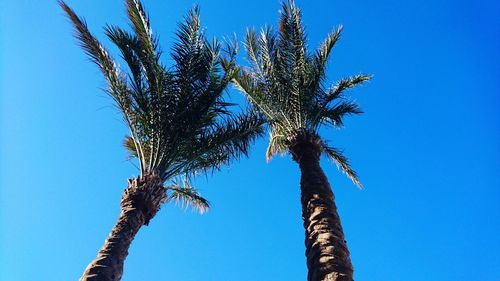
(286, 83)
(179, 123)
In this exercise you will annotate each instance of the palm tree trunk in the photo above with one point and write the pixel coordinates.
(326, 250)
(140, 201)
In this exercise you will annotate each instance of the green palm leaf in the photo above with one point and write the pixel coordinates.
(342, 163)
(187, 196)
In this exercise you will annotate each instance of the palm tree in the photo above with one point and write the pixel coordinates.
(179, 123)
(286, 84)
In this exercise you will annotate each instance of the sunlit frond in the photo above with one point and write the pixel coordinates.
(142, 28)
(187, 196)
(100, 56)
(277, 145)
(117, 84)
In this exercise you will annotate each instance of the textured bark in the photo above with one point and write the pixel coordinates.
(141, 200)
(326, 250)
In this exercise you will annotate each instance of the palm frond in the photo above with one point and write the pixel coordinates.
(100, 56)
(228, 59)
(146, 47)
(324, 51)
(227, 140)
(142, 28)
(117, 85)
(277, 145)
(294, 52)
(187, 196)
(335, 114)
(244, 82)
(342, 163)
(323, 109)
(129, 145)
(336, 91)
(130, 47)
(193, 56)
(320, 59)
(252, 49)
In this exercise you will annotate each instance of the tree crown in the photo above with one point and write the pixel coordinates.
(179, 123)
(285, 83)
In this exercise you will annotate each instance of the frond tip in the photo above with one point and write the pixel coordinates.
(187, 196)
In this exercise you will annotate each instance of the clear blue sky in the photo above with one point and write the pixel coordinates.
(427, 150)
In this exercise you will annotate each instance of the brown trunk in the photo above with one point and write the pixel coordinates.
(326, 250)
(140, 202)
